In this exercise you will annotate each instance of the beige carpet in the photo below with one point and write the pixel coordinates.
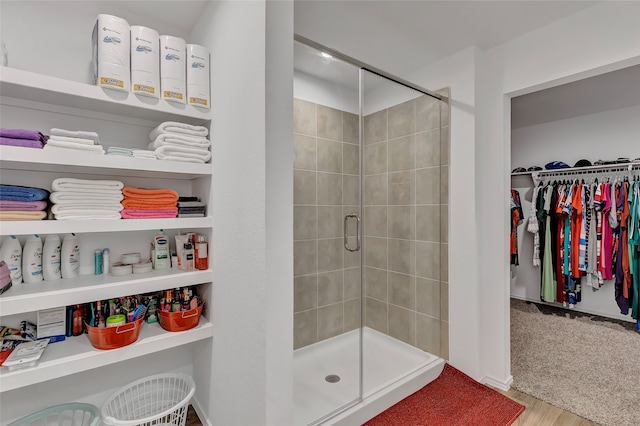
(577, 362)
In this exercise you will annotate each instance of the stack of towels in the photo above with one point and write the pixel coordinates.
(130, 152)
(180, 142)
(86, 199)
(191, 207)
(22, 203)
(140, 203)
(79, 140)
(22, 137)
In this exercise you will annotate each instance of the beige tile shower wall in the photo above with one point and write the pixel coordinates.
(406, 152)
(326, 188)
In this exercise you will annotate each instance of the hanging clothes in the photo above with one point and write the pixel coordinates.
(548, 288)
(516, 219)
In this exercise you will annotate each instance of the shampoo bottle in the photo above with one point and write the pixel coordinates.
(70, 256)
(161, 254)
(11, 253)
(32, 259)
(51, 258)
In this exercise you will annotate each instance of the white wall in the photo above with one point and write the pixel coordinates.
(458, 73)
(606, 135)
(251, 359)
(599, 39)
(316, 90)
(59, 34)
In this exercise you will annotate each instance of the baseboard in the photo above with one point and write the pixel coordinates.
(498, 384)
(200, 412)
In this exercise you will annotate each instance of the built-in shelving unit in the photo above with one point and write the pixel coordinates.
(27, 91)
(100, 226)
(19, 158)
(76, 354)
(70, 291)
(36, 87)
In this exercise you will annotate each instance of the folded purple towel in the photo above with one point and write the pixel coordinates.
(27, 143)
(23, 205)
(22, 134)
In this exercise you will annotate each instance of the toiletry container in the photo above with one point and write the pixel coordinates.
(201, 254)
(198, 76)
(70, 256)
(111, 53)
(105, 261)
(51, 258)
(161, 254)
(145, 61)
(11, 253)
(172, 69)
(32, 259)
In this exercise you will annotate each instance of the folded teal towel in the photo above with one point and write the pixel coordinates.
(22, 193)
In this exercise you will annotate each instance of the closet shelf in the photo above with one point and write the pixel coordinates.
(22, 298)
(76, 354)
(20, 84)
(20, 158)
(45, 227)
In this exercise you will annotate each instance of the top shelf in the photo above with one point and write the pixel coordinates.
(20, 84)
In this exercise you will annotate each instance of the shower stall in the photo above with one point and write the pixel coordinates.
(370, 237)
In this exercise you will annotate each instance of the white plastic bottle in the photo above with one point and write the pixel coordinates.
(11, 253)
(32, 259)
(70, 256)
(51, 258)
(161, 254)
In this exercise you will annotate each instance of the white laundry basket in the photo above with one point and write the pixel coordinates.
(70, 414)
(162, 399)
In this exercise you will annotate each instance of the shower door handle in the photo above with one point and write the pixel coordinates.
(346, 234)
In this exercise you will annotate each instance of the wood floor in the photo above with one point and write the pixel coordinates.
(540, 413)
(536, 413)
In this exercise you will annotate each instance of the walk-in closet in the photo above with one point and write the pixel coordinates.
(575, 160)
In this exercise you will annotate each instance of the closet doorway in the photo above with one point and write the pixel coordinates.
(580, 133)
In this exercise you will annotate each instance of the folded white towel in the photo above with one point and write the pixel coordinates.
(87, 214)
(174, 153)
(85, 185)
(180, 140)
(80, 141)
(176, 127)
(55, 147)
(73, 197)
(76, 134)
(106, 208)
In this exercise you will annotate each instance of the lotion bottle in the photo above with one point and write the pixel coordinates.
(32, 259)
(161, 254)
(11, 253)
(70, 256)
(51, 258)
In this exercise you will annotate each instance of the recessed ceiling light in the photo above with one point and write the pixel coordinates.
(326, 55)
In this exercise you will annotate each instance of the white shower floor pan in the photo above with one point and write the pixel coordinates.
(392, 370)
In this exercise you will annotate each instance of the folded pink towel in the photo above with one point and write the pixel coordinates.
(23, 205)
(148, 214)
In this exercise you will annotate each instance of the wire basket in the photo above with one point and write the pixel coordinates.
(70, 414)
(162, 399)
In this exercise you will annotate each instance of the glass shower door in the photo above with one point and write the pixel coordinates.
(327, 282)
(401, 229)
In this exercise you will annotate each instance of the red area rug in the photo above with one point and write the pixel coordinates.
(450, 400)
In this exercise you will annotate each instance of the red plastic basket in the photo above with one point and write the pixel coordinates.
(180, 321)
(114, 337)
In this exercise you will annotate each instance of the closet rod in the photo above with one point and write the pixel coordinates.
(608, 168)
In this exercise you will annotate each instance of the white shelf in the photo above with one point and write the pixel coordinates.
(20, 158)
(88, 288)
(76, 354)
(20, 84)
(26, 227)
